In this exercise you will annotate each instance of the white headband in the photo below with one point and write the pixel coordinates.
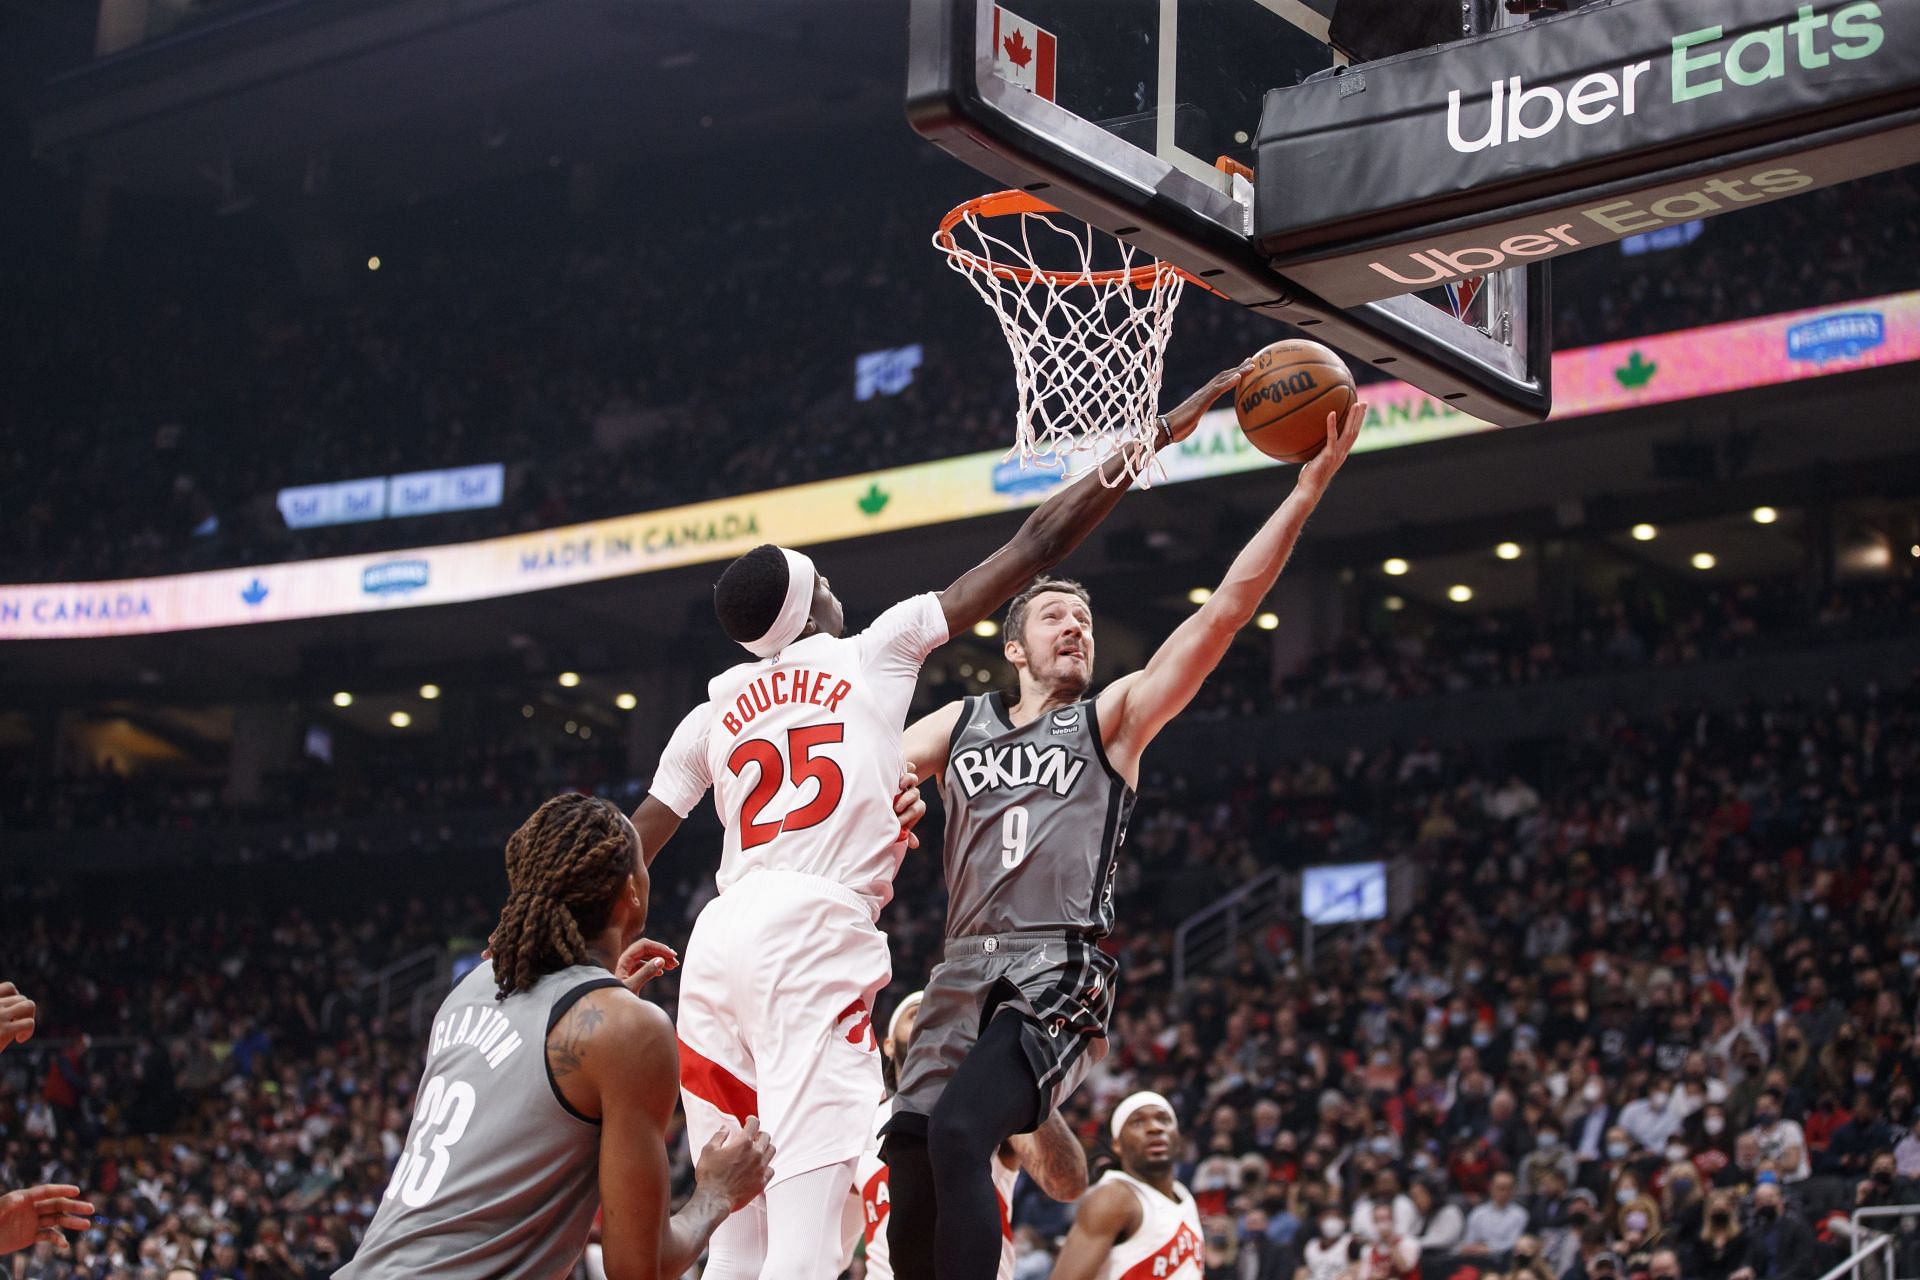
(794, 610)
(906, 1006)
(1132, 1103)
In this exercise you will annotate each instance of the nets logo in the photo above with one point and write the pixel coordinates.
(990, 768)
(394, 576)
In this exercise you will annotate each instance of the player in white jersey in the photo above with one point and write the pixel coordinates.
(1051, 1156)
(1137, 1223)
(802, 748)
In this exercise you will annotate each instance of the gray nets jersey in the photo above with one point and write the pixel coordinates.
(1035, 820)
(499, 1176)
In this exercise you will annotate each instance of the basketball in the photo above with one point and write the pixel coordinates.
(1283, 404)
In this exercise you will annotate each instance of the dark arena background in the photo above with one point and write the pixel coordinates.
(1530, 894)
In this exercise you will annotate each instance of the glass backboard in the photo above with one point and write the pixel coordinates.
(1140, 117)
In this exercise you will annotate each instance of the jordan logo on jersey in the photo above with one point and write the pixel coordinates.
(985, 768)
(1167, 1260)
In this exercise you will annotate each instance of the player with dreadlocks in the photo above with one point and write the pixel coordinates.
(538, 1055)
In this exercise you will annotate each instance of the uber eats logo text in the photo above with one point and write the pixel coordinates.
(1704, 62)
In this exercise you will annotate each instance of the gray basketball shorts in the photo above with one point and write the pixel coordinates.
(1061, 988)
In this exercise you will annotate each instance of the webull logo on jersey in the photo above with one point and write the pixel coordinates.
(989, 768)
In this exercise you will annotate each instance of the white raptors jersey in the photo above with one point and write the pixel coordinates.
(870, 1181)
(802, 751)
(1167, 1245)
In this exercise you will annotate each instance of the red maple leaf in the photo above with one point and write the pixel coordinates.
(1017, 52)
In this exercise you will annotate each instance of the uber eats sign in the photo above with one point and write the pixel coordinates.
(1573, 131)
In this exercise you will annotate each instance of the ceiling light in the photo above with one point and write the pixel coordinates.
(343, 699)
(373, 264)
(399, 719)
(568, 679)
(586, 731)
(1508, 551)
(1395, 567)
(1199, 595)
(1703, 560)
(526, 712)
(1459, 593)
(986, 628)
(626, 702)
(1644, 533)
(572, 725)
(1268, 622)
(429, 691)
(1393, 604)
(984, 676)
(1765, 515)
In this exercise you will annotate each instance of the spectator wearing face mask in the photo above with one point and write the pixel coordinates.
(1719, 1252)
(1561, 1246)
(1528, 1263)
(1709, 1138)
(1327, 1255)
(1630, 1197)
(1780, 1140)
(1392, 1255)
(1682, 1198)
(1884, 1184)
(1550, 1155)
(1652, 1119)
(1780, 1245)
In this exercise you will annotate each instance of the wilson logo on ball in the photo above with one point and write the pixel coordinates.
(1279, 389)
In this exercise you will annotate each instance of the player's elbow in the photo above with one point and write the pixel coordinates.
(1066, 1184)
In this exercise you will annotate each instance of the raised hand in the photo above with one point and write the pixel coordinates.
(16, 1016)
(1318, 471)
(909, 806)
(1186, 415)
(642, 962)
(41, 1213)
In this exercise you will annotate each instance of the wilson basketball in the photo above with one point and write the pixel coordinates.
(1283, 404)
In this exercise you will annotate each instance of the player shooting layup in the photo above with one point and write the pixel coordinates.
(1037, 796)
(802, 749)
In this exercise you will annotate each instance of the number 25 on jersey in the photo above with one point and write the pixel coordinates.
(798, 763)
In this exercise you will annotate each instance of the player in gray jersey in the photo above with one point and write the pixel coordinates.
(1037, 792)
(549, 1086)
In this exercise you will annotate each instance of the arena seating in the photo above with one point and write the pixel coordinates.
(1680, 913)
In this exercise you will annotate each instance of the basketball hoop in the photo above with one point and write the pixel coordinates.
(1089, 344)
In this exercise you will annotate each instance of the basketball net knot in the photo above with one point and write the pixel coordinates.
(1089, 343)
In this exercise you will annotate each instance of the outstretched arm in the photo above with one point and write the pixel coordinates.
(1134, 709)
(1108, 1216)
(1060, 523)
(1054, 1159)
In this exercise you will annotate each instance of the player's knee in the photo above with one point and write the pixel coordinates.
(956, 1139)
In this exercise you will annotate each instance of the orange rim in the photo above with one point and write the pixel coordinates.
(1007, 204)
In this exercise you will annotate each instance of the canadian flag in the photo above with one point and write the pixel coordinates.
(1023, 52)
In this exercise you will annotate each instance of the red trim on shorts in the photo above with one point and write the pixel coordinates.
(1006, 1226)
(710, 1082)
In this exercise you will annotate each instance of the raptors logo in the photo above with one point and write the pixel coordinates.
(856, 1024)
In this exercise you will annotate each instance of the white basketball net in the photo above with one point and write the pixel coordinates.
(1089, 344)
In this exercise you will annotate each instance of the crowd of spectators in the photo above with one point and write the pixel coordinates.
(1649, 1011)
(626, 359)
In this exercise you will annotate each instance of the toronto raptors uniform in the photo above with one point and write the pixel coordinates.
(871, 1179)
(802, 751)
(1035, 820)
(1167, 1244)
